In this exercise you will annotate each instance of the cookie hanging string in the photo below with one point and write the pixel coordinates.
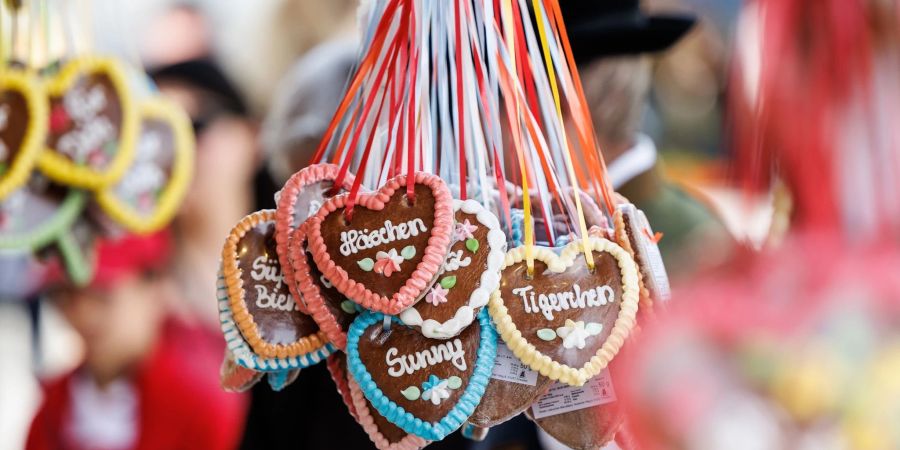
(539, 12)
(364, 69)
(394, 51)
(581, 114)
(513, 112)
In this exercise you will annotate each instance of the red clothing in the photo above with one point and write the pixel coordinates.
(180, 404)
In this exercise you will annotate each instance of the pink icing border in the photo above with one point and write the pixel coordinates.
(433, 256)
(310, 290)
(284, 215)
(409, 442)
(339, 376)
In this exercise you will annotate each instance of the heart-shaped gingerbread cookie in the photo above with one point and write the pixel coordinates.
(37, 214)
(23, 127)
(236, 378)
(587, 428)
(567, 321)
(426, 387)
(337, 368)
(384, 434)
(261, 303)
(93, 125)
(300, 198)
(468, 276)
(244, 355)
(512, 389)
(390, 251)
(328, 307)
(633, 229)
(147, 197)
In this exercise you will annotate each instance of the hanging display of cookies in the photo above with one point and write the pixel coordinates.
(435, 250)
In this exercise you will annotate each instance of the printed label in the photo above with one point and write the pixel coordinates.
(509, 368)
(562, 398)
(654, 262)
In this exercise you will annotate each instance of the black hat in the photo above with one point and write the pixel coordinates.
(599, 28)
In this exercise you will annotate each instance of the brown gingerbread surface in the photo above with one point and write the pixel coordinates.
(605, 277)
(468, 278)
(266, 295)
(14, 111)
(403, 217)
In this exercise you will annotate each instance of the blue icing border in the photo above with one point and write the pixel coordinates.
(244, 356)
(484, 364)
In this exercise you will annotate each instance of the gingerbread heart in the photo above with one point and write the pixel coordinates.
(301, 197)
(328, 307)
(93, 125)
(512, 389)
(469, 275)
(37, 214)
(23, 127)
(426, 387)
(235, 378)
(384, 434)
(337, 368)
(388, 254)
(260, 301)
(567, 321)
(576, 426)
(147, 197)
(632, 227)
(244, 356)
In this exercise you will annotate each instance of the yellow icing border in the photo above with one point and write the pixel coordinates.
(60, 168)
(32, 144)
(558, 264)
(182, 167)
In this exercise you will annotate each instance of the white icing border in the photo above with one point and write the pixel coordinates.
(490, 279)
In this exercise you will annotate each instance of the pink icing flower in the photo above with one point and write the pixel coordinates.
(59, 118)
(437, 295)
(386, 263)
(464, 230)
(96, 158)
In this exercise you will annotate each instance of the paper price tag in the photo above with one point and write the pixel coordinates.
(650, 253)
(509, 368)
(562, 398)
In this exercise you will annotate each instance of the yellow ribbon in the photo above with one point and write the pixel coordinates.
(570, 168)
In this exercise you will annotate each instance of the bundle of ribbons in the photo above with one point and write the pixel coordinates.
(75, 132)
(477, 266)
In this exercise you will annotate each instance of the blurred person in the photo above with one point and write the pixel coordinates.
(304, 105)
(611, 41)
(227, 173)
(148, 381)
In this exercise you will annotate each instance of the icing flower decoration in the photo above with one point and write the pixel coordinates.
(386, 263)
(436, 390)
(59, 118)
(464, 230)
(574, 333)
(437, 295)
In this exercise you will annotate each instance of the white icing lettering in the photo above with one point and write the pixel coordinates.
(436, 354)
(547, 304)
(353, 241)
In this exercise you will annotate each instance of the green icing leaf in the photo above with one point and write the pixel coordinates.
(411, 393)
(593, 328)
(408, 252)
(448, 281)
(472, 245)
(366, 264)
(348, 307)
(454, 382)
(546, 334)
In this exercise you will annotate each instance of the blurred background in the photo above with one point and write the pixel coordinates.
(260, 81)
